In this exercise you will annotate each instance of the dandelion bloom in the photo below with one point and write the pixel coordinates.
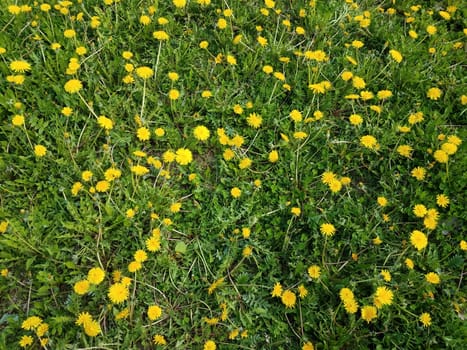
(209, 345)
(160, 35)
(419, 210)
(73, 86)
(449, 148)
(118, 293)
(432, 277)
(254, 120)
(368, 141)
(140, 255)
(183, 156)
(418, 239)
(358, 82)
(31, 322)
(409, 263)
(396, 55)
(386, 275)
(105, 123)
(383, 296)
(351, 306)
(222, 23)
(296, 115)
(431, 30)
(81, 287)
(143, 134)
(174, 94)
(441, 156)
(434, 93)
(20, 66)
(418, 173)
(69, 33)
(425, 319)
(236, 192)
(179, 3)
(346, 75)
(268, 69)
(40, 150)
(25, 341)
(296, 211)
(153, 244)
(442, 200)
(96, 275)
(277, 290)
(201, 133)
(327, 229)
(92, 329)
(159, 339)
(288, 298)
(102, 186)
(405, 150)
(18, 120)
(273, 156)
(262, 41)
(314, 271)
(144, 72)
(369, 312)
(154, 312)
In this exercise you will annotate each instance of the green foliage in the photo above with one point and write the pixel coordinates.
(157, 215)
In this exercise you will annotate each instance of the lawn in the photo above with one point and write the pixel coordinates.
(236, 174)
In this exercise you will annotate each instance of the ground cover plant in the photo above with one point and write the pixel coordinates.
(197, 174)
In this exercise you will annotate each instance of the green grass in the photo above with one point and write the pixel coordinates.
(220, 257)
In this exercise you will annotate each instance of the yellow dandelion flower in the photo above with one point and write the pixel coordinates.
(425, 319)
(81, 287)
(20, 66)
(327, 229)
(418, 239)
(159, 339)
(143, 134)
(418, 173)
(288, 298)
(419, 210)
(368, 141)
(369, 312)
(277, 290)
(209, 345)
(183, 156)
(118, 293)
(73, 86)
(154, 312)
(96, 275)
(314, 271)
(432, 277)
(201, 133)
(442, 200)
(434, 93)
